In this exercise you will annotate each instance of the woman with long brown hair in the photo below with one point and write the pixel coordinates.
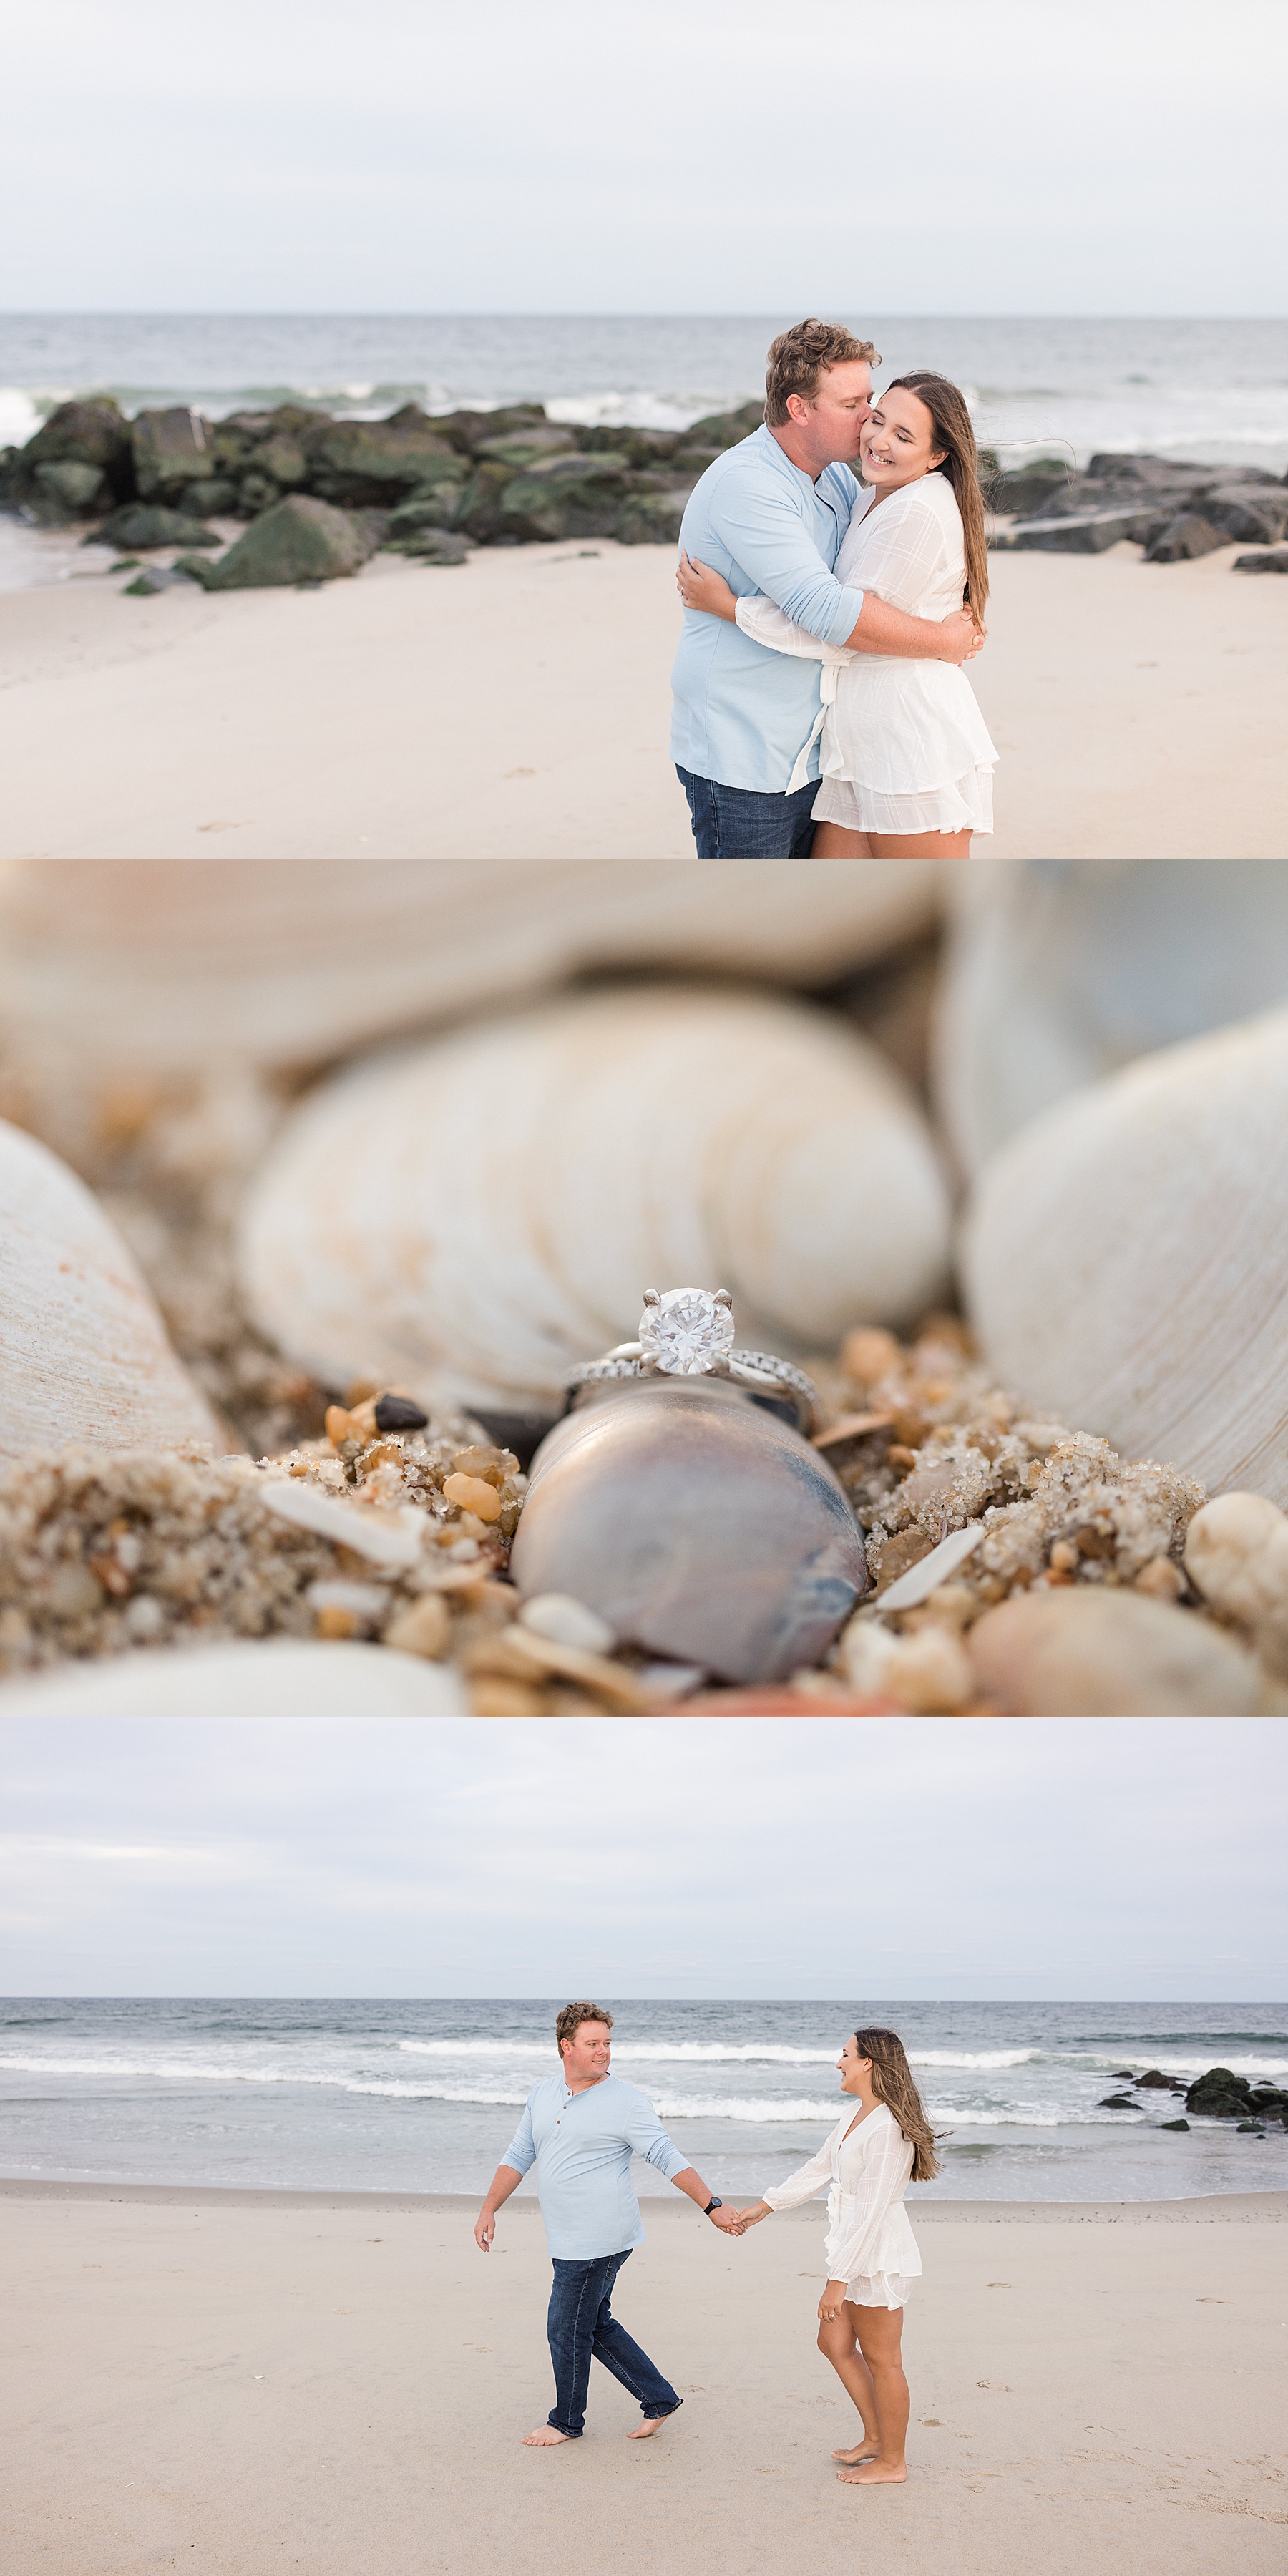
(867, 2164)
(907, 764)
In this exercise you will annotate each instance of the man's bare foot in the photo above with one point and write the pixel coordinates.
(544, 2435)
(651, 2424)
(864, 2450)
(875, 2473)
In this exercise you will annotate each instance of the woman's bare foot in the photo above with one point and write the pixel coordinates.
(875, 2473)
(864, 2450)
(651, 2424)
(544, 2435)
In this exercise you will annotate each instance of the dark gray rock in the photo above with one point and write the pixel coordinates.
(634, 446)
(152, 579)
(436, 508)
(1089, 533)
(282, 458)
(428, 545)
(1219, 2095)
(690, 461)
(1117, 2102)
(214, 500)
(478, 505)
(1156, 2082)
(467, 430)
(1254, 514)
(171, 448)
(257, 492)
(142, 524)
(358, 462)
(1173, 2124)
(1275, 561)
(1184, 538)
(68, 487)
(566, 496)
(1249, 2128)
(525, 447)
(725, 428)
(650, 519)
(1029, 490)
(399, 1413)
(301, 539)
(78, 433)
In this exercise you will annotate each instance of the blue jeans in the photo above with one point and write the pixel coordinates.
(738, 823)
(581, 2324)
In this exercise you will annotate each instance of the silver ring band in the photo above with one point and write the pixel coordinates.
(756, 1372)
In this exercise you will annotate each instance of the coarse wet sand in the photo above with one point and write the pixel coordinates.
(518, 707)
(241, 2382)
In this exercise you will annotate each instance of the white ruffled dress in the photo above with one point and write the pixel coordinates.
(905, 748)
(870, 2244)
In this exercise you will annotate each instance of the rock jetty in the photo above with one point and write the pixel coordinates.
(1175, 512)
(322, 494)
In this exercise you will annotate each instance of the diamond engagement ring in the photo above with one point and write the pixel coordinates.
(688, 1332)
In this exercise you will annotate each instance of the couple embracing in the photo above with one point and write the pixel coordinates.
(821, 707)
(581, 2128)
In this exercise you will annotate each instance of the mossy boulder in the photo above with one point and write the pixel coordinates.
(634, 446)
(527, 447)
(301, 539)
(1220, 2095)
(363, 462)
(68, 488)
(1184, 538)
(467, 431)
(144, 524)
(650, 519)
(725, 428)
(171, 449)
(566, 496)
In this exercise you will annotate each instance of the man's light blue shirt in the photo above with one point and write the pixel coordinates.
(582, 2144)
(742, 713)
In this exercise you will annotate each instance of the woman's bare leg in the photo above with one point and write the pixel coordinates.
(839, 2344)
(907, 845)
(879, 2332)
(832, 841)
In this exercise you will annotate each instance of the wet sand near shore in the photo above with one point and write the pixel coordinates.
(518, 707)
(246, 2381)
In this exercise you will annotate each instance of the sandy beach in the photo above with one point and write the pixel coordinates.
(242, 2381)
(518, 707)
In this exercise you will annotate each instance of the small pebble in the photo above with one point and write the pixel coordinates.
(399, 1413)
(869, 1354)
(472, 1494)
(568, 1622)
(1236, 1551)
(424, 1628)
(1087, 1652)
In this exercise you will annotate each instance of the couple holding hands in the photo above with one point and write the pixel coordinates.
(581, 2127)
(821, 707)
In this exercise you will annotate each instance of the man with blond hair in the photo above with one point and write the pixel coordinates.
(770, 514)
(580, 2128)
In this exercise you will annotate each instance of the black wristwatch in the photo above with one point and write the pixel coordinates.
(712, 2204)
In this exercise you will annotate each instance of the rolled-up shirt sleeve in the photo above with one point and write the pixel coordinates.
(767, 539)
(804, 2183)
(646, 2137)
(522, 2148)
(881, 2183)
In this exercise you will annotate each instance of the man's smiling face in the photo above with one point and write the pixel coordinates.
(586, 2055)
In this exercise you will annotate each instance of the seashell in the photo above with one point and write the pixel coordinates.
(83, 1350)
(269, 1677)
(1060, 971)
(1236, 1552)
(472, 1217)
(155, 965)
(1093, 1653)
(1125, 1259)
(697, 1524)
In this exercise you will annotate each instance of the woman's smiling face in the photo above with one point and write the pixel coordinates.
(896, 444)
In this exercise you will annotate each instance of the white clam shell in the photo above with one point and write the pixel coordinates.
(1060, 971)
(83, 1351)
(1125, 1259)
(1095, 1653)
(157, 964)
(470, 1218)
(270, 1677)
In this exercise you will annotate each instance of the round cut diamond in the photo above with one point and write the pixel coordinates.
(686, 1332)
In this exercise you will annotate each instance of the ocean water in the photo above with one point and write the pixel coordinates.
(407, 2096)
(1197, 390)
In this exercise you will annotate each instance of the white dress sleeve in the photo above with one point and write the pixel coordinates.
(882, 2178)
(901, 550)
(766, 624)
(815, 2176)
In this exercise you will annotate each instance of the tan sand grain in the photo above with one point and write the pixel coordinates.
(245, 2382)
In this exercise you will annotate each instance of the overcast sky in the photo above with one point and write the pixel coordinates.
(697, 156)
(1112, 1858)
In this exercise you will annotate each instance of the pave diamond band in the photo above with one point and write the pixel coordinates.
(688, 1332)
